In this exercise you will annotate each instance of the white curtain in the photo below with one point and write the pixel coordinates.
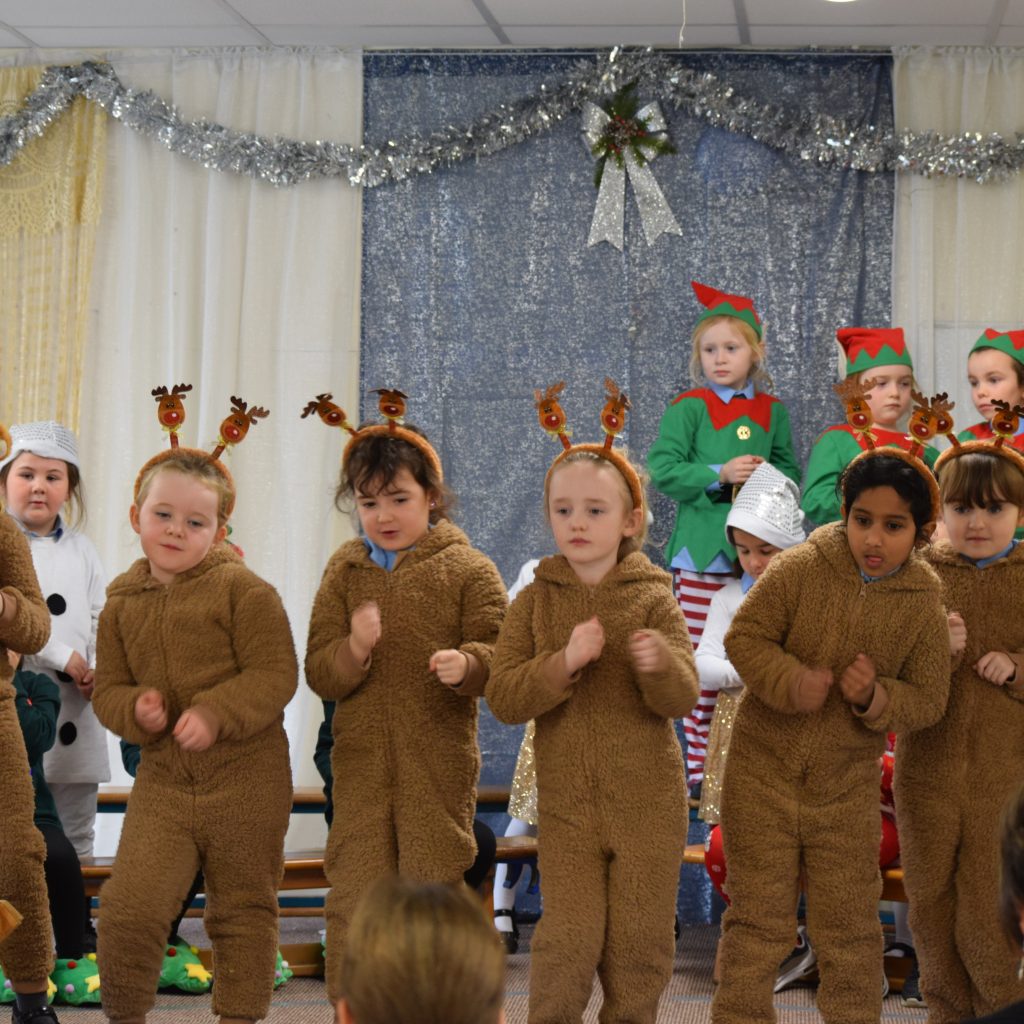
(958, 262)
(237, 288)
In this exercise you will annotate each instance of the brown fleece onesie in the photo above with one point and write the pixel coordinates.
(801, 789)
(216, 638)
(405, 756)
(611, 790)
(952, 784)
(26, 955)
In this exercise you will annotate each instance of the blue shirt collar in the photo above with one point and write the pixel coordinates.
(746, 582)
(386, 559)
(878, 579)
(56, 533)
(728, 394)
(984, 563)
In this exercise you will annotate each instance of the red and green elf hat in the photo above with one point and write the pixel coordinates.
(868, 347)
(1010, 342)
(724, 304)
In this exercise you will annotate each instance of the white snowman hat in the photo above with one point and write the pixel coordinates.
(768, 507)
(47, 438)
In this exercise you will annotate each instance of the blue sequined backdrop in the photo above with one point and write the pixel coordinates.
(478, 285)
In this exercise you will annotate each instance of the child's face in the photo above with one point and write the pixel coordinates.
(590, 514)
(993, 378)
(397, 516)
(981, 532)
(754, 554)
(889, 398)
(176, 523)
(726, 357)
(880, 531)
(36, 490)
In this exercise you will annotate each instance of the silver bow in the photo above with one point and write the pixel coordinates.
(655, 213)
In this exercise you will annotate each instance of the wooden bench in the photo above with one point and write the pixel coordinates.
(305, 799)
(304, 869)
(892, 878)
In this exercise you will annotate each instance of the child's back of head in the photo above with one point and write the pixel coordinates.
(421, 954)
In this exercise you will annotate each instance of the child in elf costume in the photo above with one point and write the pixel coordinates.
(26, 952)
(953, 779)
(843, 639)
(879, 355)
(596, 650)
(709, 442)
(196, 664)
(400, 638)
(995, 371)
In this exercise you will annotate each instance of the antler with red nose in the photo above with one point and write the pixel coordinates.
(170, 410)
(613, 415)
(551, 414)
(235, 426)
(333, 415)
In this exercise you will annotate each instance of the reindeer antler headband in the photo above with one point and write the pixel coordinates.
(613, 419)
(392, 407)
(170, 412)
(930, 417)
(1004, 425)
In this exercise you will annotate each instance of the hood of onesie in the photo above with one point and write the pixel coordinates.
(138, 578)
(830, 540)
(636, 566)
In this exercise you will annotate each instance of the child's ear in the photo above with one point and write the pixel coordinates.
(924, 535)
(222, 532)
(1020, 516)
(842, 512)
(133, 518)
(633, 523)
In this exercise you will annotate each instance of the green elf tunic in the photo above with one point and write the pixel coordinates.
(835, 448)
(699, 432)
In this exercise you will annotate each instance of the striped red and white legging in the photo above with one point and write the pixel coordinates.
(694, 591)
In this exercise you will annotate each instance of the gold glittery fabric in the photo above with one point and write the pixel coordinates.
(522, 801)
(714, 763)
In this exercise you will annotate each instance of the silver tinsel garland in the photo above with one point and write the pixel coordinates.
(825, 141)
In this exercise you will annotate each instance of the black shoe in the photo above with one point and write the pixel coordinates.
(40, 1015)
(911, 994)
(511, 939)
(800, 966)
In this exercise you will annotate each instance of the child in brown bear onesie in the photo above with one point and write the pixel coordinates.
(842, 640)
(596, 650)
(26, 955)
(196, 664)
(953, 780)
(400, 637)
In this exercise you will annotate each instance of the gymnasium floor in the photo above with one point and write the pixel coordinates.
(687, 1000)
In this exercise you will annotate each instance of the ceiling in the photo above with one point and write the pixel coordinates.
(107, 24)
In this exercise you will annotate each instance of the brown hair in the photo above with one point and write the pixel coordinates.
(193, 463)
(628, 544)
(76, 490)
(377, 459)
(759, 374)
(422, 954)
(1018, 366)
(980, 479)
(1011, 887)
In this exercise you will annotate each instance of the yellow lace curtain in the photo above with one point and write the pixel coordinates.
(49, 208)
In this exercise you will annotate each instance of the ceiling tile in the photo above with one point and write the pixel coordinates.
(109, 38)
(320, 13)
(511, 13)
(1014, 13)
(880, 36)
(383, 36)
(868, 12)
(616, 35)
(95, 13)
